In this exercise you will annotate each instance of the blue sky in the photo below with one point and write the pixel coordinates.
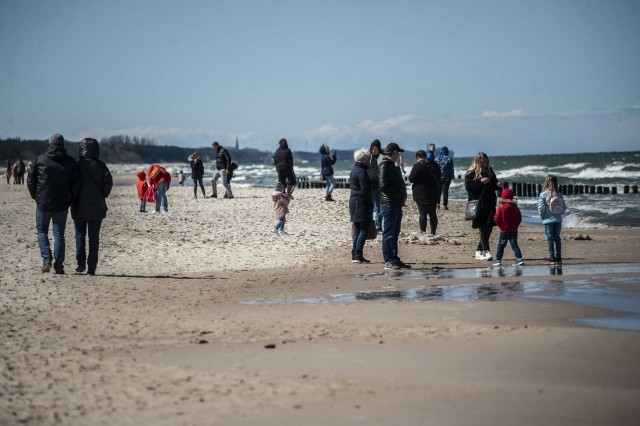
(504, 77)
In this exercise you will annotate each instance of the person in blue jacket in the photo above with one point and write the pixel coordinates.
(549, 197)
(327, 161)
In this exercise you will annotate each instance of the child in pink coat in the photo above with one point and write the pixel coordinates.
(281, 200)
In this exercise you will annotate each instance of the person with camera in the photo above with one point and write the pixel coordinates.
(327, 161)
(197, 173)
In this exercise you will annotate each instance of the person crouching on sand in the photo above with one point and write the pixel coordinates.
(281, 200)
(508, 219)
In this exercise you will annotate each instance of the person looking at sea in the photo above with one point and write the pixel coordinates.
(283, 160)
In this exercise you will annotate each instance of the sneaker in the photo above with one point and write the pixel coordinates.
(497, 263)
(519, 262)
(228, 196)
(46, 267)
(360, 260)
(479, 255)
(446, 207)
(80, 269)
(487, 255)
(548, 261)
(275, 232)
(403, 265)
(214, 196)
(558, 261)
(391, 266)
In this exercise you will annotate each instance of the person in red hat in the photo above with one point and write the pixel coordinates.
(508, 219)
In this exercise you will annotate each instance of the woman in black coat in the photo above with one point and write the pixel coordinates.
(360, 203)
(481, 184)
(89, 207)
(425, 176)
(197, 173)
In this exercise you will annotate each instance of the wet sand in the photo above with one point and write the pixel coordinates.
(159, 336)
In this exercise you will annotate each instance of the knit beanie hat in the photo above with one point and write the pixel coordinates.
(507, 194)
(56, 139)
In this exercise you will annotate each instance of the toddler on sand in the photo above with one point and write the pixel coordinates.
(142, 188)
(281, 200)
(508, 218)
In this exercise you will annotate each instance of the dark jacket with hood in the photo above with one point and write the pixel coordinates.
(425, 176)
(197, 169)
(223, 159)
(446, 164)
(373, 166)
(392, 187)
(360, 203)
(95, 183)
(283, 158)
(53, 179)
(487, 204)
(327, 161)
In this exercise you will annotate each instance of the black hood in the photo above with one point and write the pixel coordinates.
(89, 149)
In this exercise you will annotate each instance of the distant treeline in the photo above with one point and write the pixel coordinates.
(125, 150)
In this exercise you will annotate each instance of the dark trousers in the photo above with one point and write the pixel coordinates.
(443, 192)
(287, 178)
(93, 228)
(196, 182)
(512, 238)
(428, 210)
(485, 233)
(359, 238)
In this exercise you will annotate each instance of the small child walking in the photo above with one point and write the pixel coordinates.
(142, 188)
(508, 218)
(551, 206)
(281, 200)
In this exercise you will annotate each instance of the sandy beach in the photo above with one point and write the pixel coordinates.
(172, 331)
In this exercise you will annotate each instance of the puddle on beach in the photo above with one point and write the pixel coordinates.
(618, 294)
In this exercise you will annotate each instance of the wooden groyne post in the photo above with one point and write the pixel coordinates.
(533, 190)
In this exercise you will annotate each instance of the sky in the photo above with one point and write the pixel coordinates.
(504, 77)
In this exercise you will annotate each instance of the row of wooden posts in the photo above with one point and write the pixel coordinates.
(519, 189)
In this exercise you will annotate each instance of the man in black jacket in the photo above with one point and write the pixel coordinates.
(223, 164)
(283, 160)
(53, 184)
(393, 194)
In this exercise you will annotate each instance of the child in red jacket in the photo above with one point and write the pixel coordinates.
(508, 218)
(142, 188)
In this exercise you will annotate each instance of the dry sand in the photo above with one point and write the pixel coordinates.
(158, 336)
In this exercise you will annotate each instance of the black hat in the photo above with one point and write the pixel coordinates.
(56, 139)
(392, 147)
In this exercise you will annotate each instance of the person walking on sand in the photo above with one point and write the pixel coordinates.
(223, 163)
(181, 178)
(142, 187)
(481, 184)
(281, 199)
(360, 203)
(326, 163)
(372, 170)
(393, 195)
(508, 218)
(89, 207)
(551, 207)
(53, 184)
(283, 160)
(425, 175)
(160, 181)
(197, 173)
(446, 176)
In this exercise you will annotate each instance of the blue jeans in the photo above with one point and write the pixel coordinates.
(161, 197)
(391, 221)
(93, 226)
(554, 243)
(331, 183)
(280, 223)
(512, 238)
(377, 217)
(359, 238)
(59, 220)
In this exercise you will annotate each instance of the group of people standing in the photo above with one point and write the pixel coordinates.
(58, 183)
(17, 170)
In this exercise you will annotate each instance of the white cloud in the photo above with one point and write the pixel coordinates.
(519, 112)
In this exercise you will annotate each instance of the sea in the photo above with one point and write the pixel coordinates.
(606, 169)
